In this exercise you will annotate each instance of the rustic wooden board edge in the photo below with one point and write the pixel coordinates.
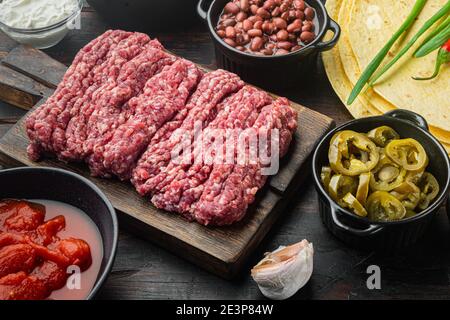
(107, 185)
(291, 163)
(227, 269)
(278, 190)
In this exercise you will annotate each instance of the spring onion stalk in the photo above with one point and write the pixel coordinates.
(436, 31)
(427, 25)
(375, 63)
(436, 42)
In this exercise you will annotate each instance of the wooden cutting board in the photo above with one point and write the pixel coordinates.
(27, 76)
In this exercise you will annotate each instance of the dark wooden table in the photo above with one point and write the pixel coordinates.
(145, 271)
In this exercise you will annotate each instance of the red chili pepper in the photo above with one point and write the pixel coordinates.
(446, 46)
(443, 57)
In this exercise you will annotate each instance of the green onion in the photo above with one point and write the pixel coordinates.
(441, 13)
(375, 63)
(434, 32)
(436, 42)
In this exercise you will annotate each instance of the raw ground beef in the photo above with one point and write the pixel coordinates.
(107, 116)
(125, 107)
(109, 98)
(230, 189)
(201, 108)
(41, 123)
(164, 95)
(105, 76)
(182, 185)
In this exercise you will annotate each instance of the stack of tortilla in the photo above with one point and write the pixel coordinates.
(366, 27)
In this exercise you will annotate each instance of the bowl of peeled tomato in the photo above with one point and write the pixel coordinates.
(58, 235)
(381, 180)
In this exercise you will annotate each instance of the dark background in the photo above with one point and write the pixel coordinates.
(145, 271)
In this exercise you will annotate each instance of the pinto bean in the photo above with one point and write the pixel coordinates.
(295, 26)
(256, 44)
(307, 36)
(286, 45)
(285, 16)
(309, 14)
(308, 27)
(263, 13)
(299, 4)
(253, 9)
(300, 14)
(258, 25)
(247, 25)
(282, 35)
(245, 5)
(241, 16)
(276, 12)
(267, 51)
(230, 32)
(269, 5)
(231, 7)
(255, 33)
(280, 23)
(230, 42)
(267, 27)
(280, 52)
(229, 22)
(221, 33)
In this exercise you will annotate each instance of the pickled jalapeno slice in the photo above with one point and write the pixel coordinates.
(429, 189)
(408, 193)
(340, 185)
(382, 206)
(325, 176)
(352, 203)
(379, 175)
(407, 153)
(382, 135)
(352, 153)
(387, 178)
(363, 187)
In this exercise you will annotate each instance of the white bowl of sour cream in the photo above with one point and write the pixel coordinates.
(39, 23)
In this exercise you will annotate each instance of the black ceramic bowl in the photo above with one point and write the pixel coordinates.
(147, 15)
(73, 189)
(385, 236)
(270, 72)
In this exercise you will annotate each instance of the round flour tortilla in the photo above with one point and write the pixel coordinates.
(369, 27)
(343, 70)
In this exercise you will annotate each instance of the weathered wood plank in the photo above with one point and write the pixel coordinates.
(36, 65)
(20, 90)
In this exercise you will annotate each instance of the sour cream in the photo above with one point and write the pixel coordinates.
(33, 14)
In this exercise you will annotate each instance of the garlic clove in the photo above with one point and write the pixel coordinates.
(286, 270)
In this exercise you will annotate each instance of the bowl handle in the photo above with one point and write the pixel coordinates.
(202, 12)
(409, 116)
(327, 45)
(370, 230)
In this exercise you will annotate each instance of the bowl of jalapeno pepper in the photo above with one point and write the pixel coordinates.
(381, 180)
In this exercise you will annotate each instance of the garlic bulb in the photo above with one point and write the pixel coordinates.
(285, 271)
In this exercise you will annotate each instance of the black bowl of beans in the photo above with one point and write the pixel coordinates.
(271, 43)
